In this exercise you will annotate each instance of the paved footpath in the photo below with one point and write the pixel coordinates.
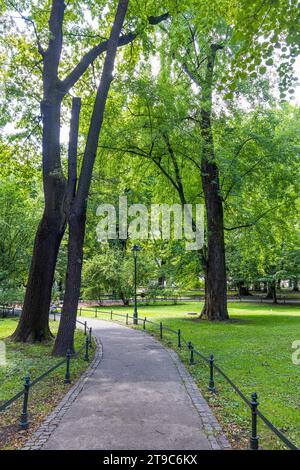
(138, 396)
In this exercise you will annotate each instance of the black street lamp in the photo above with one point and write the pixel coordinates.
(135, 250)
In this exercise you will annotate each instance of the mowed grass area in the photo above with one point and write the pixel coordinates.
(254, 349)
(281, 293)
(34, 359)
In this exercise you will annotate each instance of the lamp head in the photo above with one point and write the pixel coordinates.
(135, 249)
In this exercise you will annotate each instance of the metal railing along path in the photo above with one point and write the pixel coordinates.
(252, 403)
(24, 423)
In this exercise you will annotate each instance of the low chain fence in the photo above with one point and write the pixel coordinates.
(28, 384)
(252, 403)
(175, 299)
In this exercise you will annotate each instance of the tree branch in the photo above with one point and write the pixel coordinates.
(72, 151)
(191, 75)
(97, 50)
(250, 224)
(242, 176)
(236, 154)
(29, 20)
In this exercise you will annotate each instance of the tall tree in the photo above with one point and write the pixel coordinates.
(77, 213)
(215, 273)
(208, 55)
(33, 323)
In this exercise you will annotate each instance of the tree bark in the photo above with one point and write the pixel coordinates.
(124, 298)
(67, 325)
(34, 321)
(216, 289)
(216, 283)
(65, 336)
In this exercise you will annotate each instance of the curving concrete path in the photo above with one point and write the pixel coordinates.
(135, 399)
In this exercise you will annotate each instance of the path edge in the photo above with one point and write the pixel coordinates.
(211, 425)
(48, 426)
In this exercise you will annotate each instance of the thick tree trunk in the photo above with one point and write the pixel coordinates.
(216, 289)
(125, 299)
(216, 282)
(215, 307)
(65, 336)
(34, 321)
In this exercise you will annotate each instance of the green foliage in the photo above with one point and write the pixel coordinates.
(257, 143)
(261, 188)
(112, 271)
(18, 219)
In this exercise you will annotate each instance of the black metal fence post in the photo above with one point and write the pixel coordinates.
(90, 336)
(24, 415)
(192, 355)
(67, 376)
(254, 437)
(126, 318)
(86, 357)
(211, 386)
(96, 312)
(80, 312)
(85, 328)
(179, 338)
(144, 323)
(161, 330)
(111, 314)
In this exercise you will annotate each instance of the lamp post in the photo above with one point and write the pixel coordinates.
(135, 250)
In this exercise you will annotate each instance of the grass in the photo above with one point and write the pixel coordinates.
(287, 293)
(34, 359)
(254, 349)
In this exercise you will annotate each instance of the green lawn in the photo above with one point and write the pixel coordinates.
(254, 349)
(288, 294)
(33, 359)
